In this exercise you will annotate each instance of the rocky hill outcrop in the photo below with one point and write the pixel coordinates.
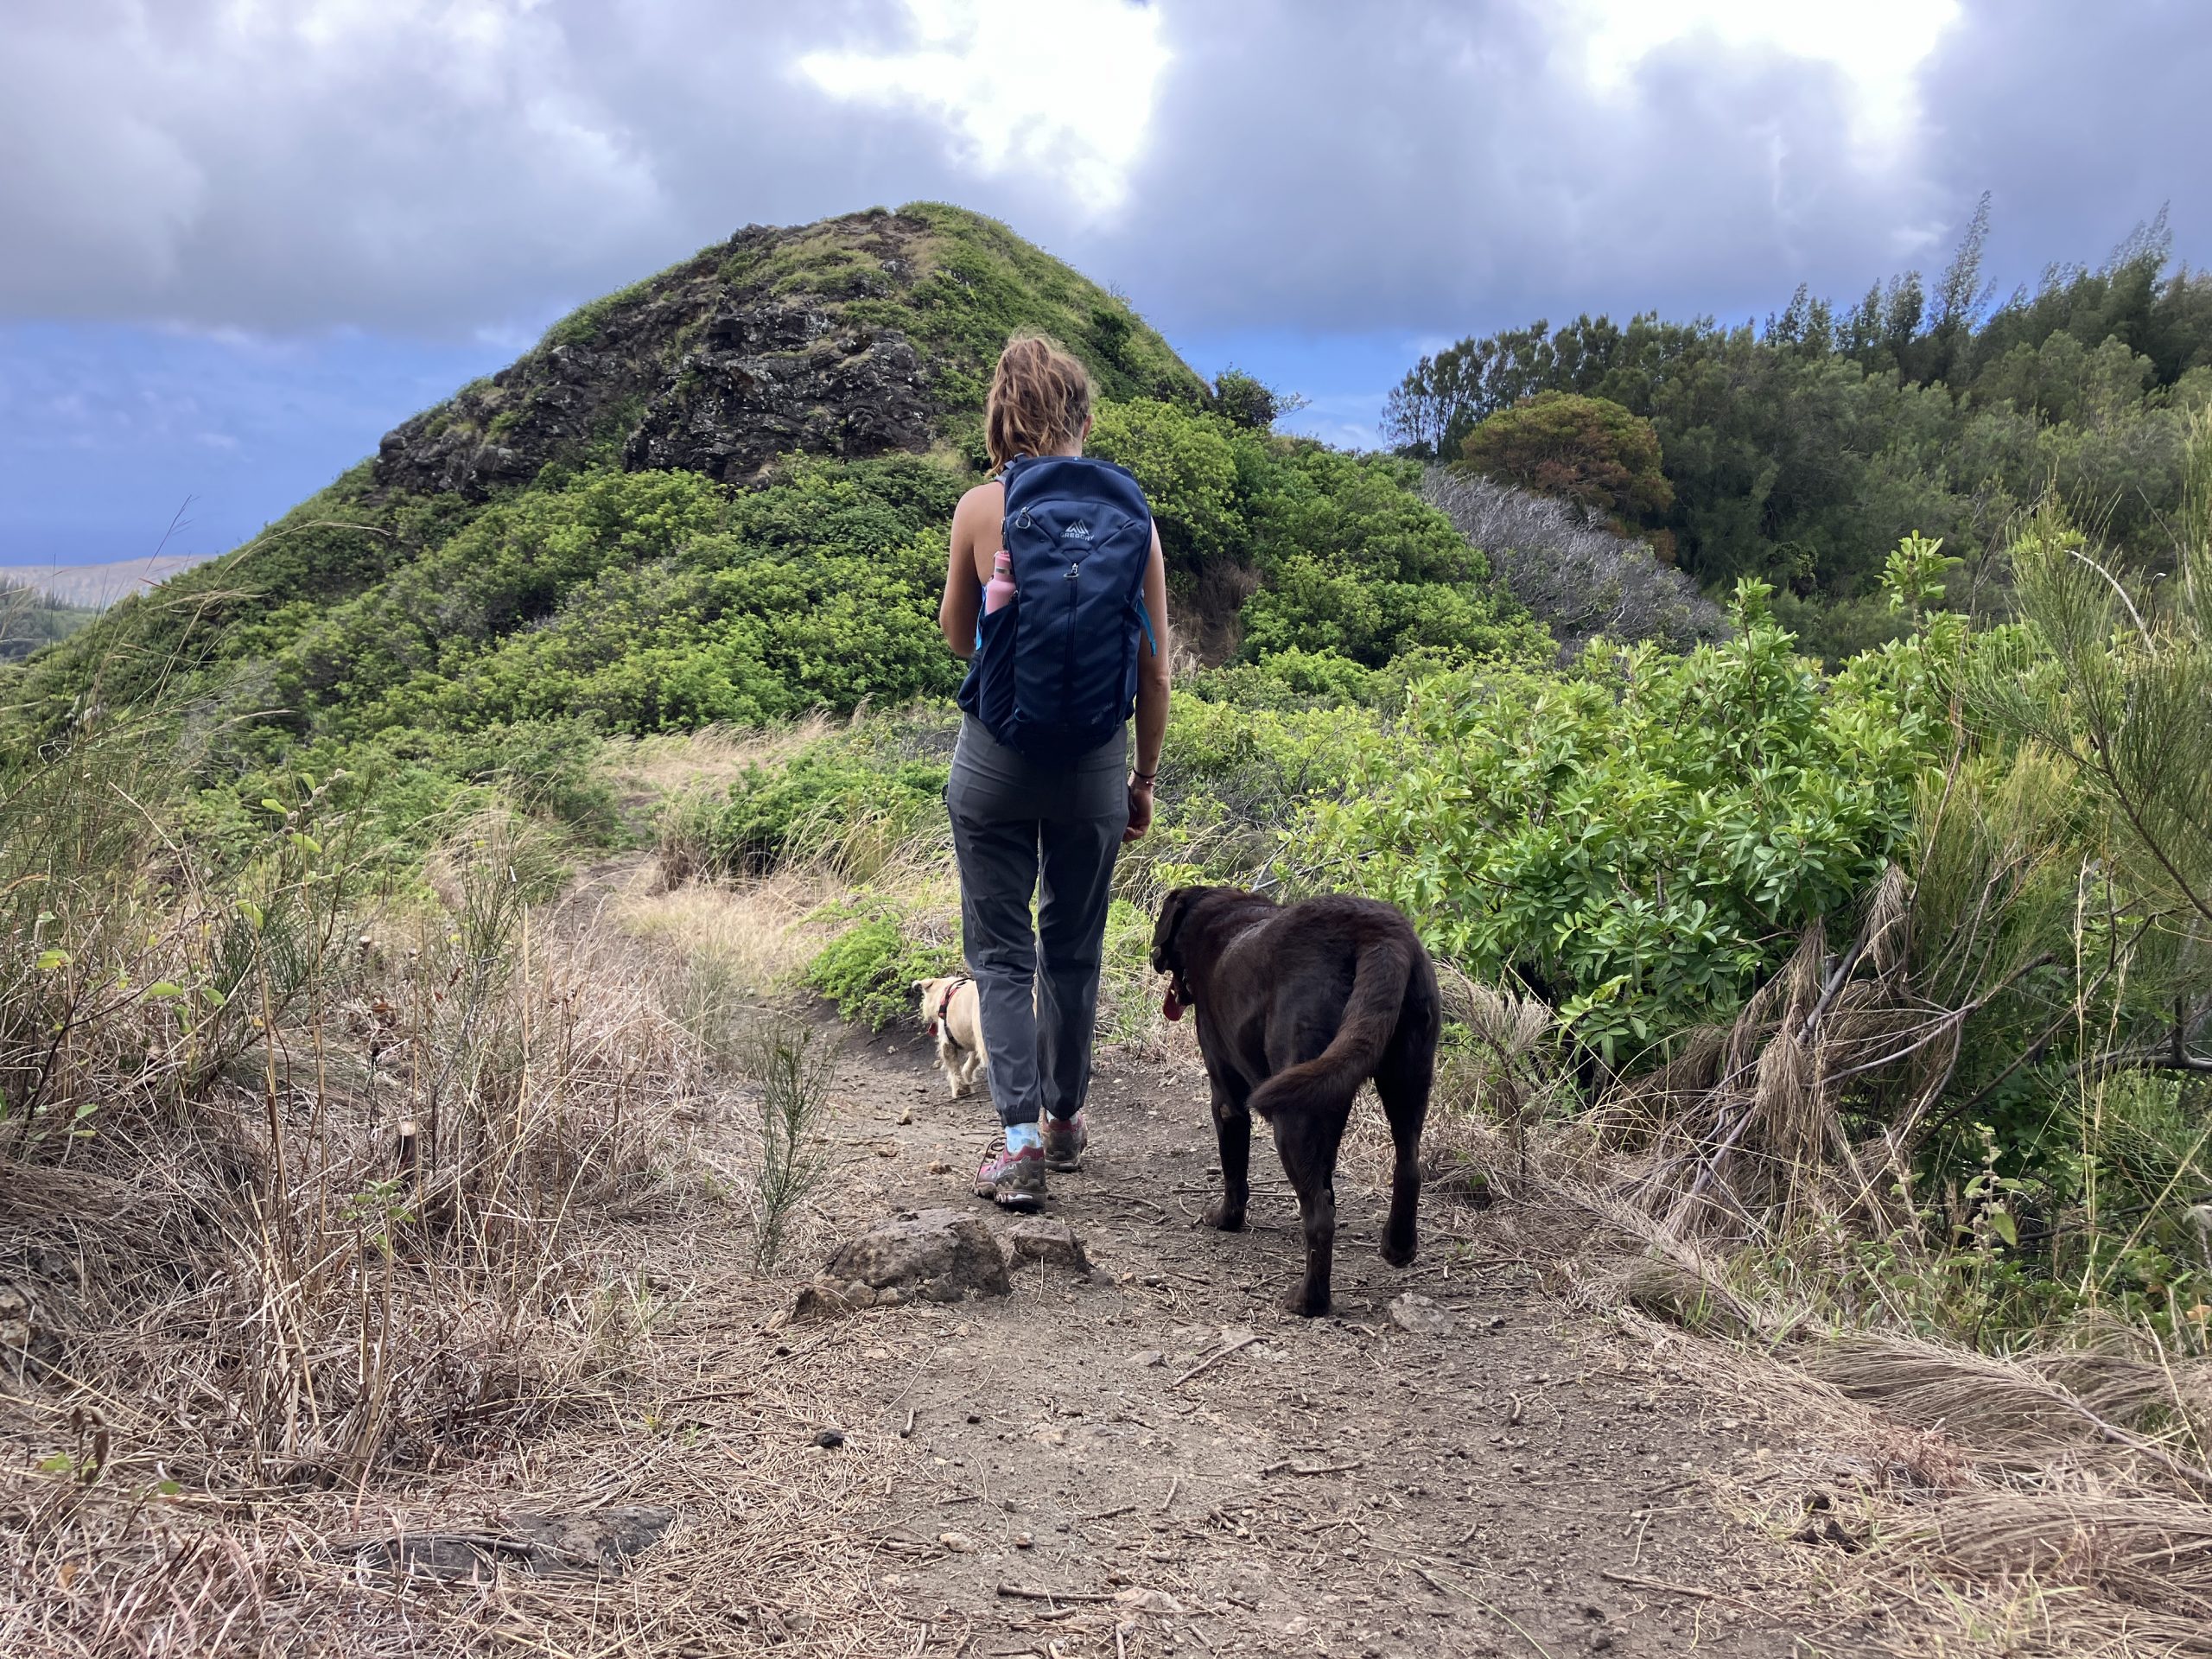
(850, 338)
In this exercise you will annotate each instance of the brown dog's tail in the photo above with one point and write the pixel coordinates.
(1332, 1077)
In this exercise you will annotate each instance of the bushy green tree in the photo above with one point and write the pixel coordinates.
(1589, 450)
(2119, 684)
(1187, 462)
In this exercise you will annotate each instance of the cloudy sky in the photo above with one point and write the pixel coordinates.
(241, 239)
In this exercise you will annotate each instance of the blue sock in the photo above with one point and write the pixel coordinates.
(1023, 1137)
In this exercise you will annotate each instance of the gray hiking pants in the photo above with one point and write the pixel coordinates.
(1018, 829)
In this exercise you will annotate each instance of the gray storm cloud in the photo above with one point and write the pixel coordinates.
(437, 170)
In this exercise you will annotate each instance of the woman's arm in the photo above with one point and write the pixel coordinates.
(1153, 657)
(963, 591)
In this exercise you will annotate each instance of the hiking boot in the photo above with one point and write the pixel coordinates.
(1065, 1139)
(1012, 1180)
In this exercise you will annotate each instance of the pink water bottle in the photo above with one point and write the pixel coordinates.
(999, 590)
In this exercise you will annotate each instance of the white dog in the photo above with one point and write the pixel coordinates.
(952, 1011)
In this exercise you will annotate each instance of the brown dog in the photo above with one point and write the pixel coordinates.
(1297, 1006)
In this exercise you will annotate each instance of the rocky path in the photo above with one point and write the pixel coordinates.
(1153, 1458)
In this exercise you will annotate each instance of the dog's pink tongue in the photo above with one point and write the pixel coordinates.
(1170, 1007)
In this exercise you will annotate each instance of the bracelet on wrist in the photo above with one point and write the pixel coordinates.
(1144, 778)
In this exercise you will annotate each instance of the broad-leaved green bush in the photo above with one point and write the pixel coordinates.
(870, 969)
(1639, 841)
(1345, 556)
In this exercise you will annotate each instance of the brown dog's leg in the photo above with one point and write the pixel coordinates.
(1309, 1157)
(1403, 1084)
(1232, 1131)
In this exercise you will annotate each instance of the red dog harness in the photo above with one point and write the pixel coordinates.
(938, 1026)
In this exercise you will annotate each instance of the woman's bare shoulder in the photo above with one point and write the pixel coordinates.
(975, 521)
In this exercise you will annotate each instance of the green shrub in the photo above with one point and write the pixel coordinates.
(1640, 844)
(817, 801)
(870, 969)
(1355, 562)
(1187, 462)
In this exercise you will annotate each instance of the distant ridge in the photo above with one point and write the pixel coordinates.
(98, 585)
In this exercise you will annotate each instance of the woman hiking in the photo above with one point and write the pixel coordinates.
(1057, 594)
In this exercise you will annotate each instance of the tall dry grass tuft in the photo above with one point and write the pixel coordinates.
(299, 1187)
(1742, 1131)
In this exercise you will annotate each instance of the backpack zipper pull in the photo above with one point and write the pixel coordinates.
(1075, 569)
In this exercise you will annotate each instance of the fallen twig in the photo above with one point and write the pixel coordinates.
(1215, 1358)
(1664, 1588)
(1288, 1467)
(1023, 1592)
(1435, 1583)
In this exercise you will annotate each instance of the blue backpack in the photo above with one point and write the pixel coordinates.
(1055, 670)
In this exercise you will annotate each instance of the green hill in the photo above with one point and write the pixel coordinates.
(720, 495)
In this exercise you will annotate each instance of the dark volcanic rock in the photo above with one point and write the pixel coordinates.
(698, 368)
(598, 1542)
(772, 379)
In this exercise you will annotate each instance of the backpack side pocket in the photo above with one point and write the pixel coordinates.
(988, 692)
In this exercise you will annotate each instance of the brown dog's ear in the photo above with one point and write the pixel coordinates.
(1170, 923)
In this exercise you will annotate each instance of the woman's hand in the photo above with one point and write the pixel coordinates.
(1140, 807)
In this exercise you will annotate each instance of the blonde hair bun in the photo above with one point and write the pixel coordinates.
(1039, 398)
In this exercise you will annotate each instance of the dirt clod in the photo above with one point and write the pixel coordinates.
(941, 1256)
(1420, 1315)
(1049, 1244)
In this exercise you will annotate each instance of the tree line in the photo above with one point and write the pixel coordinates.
(1801, 449)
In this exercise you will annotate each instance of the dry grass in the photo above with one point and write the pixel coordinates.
(752, 938)
(769, 1550)
(1741, 1132)
(2054, 1501)
(2136, 1569)
(340, 1223)
(2051, 1417)
(713, 757)
(1992, 1518)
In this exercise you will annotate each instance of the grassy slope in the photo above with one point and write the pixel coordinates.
(965, 283)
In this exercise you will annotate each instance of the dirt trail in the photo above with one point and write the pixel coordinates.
(1536, 1481)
